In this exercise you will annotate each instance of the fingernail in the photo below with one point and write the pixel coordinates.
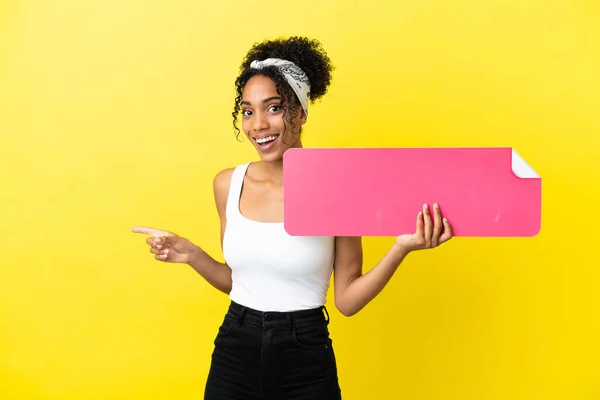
(157, 240)
(159, 247)
(445, 220)
(436, 205)
(425, 205)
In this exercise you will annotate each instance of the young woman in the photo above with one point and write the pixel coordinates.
(274, 341)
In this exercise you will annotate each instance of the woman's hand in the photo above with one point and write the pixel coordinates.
(167, 246)
(429, 234)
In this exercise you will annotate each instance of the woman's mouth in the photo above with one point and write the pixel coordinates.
(265, 143)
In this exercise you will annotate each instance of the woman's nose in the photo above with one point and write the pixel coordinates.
(259, 122)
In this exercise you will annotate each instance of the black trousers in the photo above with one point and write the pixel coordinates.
(273, 356)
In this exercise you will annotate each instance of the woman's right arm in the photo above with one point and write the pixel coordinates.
(216, 273)
(169, 247)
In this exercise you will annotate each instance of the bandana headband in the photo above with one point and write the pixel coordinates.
(293, 74)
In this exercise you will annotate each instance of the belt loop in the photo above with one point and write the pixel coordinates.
(291, 321)
(327, 313)
(240, 319)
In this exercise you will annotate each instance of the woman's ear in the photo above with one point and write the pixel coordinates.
(302, 117)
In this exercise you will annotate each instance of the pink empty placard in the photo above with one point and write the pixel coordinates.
(378, 192)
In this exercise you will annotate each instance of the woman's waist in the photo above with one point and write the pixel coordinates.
(277, 315)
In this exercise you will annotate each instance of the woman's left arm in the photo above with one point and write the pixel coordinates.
(352, 289)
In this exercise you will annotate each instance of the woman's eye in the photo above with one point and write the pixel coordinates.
(246, 113)
(275, 108)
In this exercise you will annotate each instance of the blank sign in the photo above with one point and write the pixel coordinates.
(379, 191)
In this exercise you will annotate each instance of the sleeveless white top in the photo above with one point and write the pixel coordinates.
(271, 270)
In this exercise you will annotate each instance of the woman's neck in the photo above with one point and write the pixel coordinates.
(273, 170)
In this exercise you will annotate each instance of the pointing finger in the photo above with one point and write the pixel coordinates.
(150, 231)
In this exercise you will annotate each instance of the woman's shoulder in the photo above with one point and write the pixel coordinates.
(223, 177)
(222, 180)
(221, 184)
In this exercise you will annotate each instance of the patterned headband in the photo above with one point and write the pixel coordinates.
(293, 74)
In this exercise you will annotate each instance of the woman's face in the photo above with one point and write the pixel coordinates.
(263, 119)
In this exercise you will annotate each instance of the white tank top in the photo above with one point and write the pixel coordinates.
(271, 270)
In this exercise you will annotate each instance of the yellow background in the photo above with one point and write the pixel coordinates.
(118, 113)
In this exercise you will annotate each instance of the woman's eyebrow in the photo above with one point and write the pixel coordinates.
(264, 101)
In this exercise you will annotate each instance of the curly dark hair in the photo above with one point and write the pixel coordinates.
(306, 53)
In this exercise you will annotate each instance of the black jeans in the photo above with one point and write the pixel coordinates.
(273, 356)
